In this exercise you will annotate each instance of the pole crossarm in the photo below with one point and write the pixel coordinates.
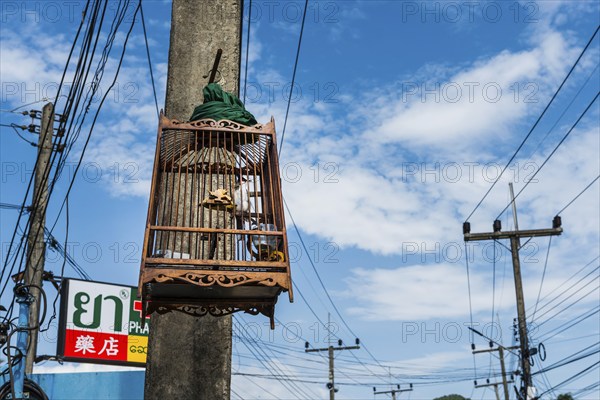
(469, 237)
(333, 348)
(496, 349)
(491, 384)
(394, 391)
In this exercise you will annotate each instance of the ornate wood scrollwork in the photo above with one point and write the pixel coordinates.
(216, 310)
(212, 124)
(220, 278)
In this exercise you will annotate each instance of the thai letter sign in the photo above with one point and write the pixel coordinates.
(102, 323)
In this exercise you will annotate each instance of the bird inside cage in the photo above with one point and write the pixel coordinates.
(244, 206)
(240, 197)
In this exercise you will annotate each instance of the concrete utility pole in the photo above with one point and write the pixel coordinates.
(330, 351)
(36, 244)
(515, 245)
(190, 357)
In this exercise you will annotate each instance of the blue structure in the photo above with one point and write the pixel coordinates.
(121, 385)
(24, 299)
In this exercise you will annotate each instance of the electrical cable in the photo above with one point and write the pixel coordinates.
(576, 197)
(86, 143)
(566, 281)
(259, 354)
(577, 356)
(247, 50)
(542, 281)
(287, 111)
(535, 124)
(35, 201)
(574, 377)
(570, 305)
(321, 282)
(569, 324)
(565, 110)
(23, 127)
(149, 61)
(551, 154)
(469, 292)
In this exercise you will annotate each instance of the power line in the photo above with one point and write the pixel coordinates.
(149, 61)
(551, 154)
(568, 280)
(569, 324)
(566, 290)
(11, 206)
(30, 183)
(313, 264)
(23, 127)
(570, 305)
(84, 62)
(73, 100)
(323, 286)
(260, 354)
(576, 197)
(535, 124)
(574, 377)
(247, 50)
(287, 111)
(120, 63)
(566, 109)
(542, 281)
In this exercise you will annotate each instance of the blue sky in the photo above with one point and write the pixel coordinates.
(403, 115)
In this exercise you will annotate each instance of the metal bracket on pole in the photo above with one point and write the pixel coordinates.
(215, 68)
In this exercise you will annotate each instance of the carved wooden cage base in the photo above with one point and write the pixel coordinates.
(215, 240)
(216, 310)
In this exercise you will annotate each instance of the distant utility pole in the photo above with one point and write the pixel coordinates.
(500, 349)
(394, 391)
(515, 245)
(330, 350)
(36, 244)
(505, 382)
(190, 357)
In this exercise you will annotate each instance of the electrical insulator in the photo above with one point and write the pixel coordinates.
(556, 222)
(339, 342)
(466, 228)
(497, 225)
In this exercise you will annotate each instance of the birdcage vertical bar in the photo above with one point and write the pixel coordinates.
(149, 239)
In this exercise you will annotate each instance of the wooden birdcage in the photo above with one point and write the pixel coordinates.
(215, 240)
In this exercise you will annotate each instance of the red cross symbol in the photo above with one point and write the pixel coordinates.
(137, 306)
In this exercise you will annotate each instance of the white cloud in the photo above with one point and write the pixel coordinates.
(441, 289)
(475, 104)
